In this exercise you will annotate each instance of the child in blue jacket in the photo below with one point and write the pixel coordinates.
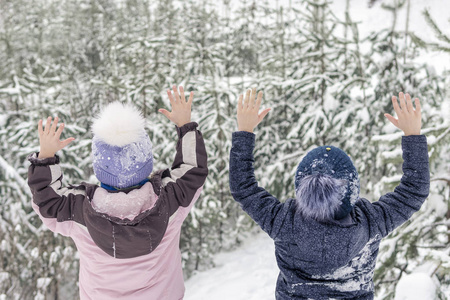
(327, 238)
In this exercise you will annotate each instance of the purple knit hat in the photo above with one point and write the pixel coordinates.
(121, 149)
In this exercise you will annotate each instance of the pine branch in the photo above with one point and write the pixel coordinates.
(10, 172)
(372, 2)
(417, 40)
(439, 34)
(440, 48)
(393, 8)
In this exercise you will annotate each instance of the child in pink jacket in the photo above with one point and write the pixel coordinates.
(126, 230)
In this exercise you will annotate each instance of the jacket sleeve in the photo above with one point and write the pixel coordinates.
(55, 205)
(261, 206)
(189, 169)
(395, 208)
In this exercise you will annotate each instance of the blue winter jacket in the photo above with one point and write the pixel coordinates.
(334, 260)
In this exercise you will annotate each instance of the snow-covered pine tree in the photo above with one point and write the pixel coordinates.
(420, 245)
(30, 86)
(443, 43)
(314, 88)
(71, 57)
(212, 224)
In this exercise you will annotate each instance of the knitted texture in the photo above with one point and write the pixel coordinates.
(121, 149)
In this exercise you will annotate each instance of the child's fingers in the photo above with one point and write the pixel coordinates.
(263, 114)
(191, 98)
(66, 142)
(246, 99)
(402, 102)
(175, 92)
(59, 131)
(40, 130)
(54, 124)
(48, 125)
(172, 101)
(418, 107)
(409, 103)
(165, 112)
(239, 108)
(183, 98)
(258, 101)
(397, 109)
(392, 119)
(253, 98)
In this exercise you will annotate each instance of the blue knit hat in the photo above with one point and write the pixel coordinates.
(121, 149)
(326, 184)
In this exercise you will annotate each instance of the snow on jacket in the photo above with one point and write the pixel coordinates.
(125, 255)
(334, 260)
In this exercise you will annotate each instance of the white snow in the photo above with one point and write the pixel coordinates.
(114, 242)
(43, 282)
(248, 273)
(396, 153)
(10, 91)
(11, 173)
(437, 203)
(3, 119)
(4, 276)
(376, 18)
(415, 286)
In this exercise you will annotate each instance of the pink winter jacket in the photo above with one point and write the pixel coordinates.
(126, 251)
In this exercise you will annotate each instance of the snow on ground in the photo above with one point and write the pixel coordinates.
(416, 286)
(248, 273)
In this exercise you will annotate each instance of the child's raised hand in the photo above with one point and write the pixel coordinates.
(181, 109)
(49, 138)
(248, 115)
(409, 119)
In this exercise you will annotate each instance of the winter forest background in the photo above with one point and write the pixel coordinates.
(326, 82)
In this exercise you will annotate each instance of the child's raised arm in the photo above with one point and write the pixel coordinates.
(189, 169)
(395, 208)
(262, 207)
(54, 203)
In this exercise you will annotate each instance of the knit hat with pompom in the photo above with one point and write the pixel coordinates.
(121, 149)
(326, 184)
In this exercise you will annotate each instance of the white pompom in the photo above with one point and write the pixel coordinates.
(119, 124)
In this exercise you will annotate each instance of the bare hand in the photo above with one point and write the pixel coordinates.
(181, 109)
(409, 119)
(49, 138)
(247, 111)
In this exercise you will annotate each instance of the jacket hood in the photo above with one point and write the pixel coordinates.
(326, 184)
(124, 205)
(124, 237)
